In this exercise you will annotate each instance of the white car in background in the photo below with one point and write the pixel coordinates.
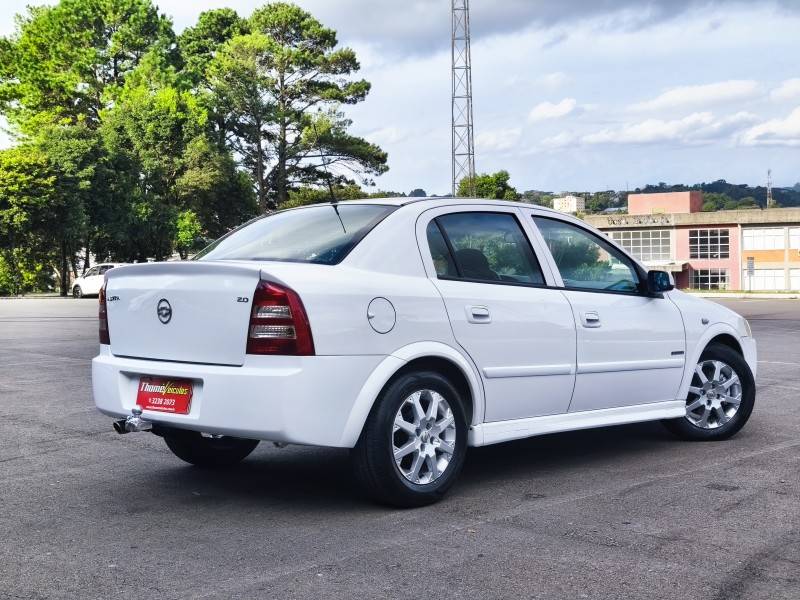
(91, 281)
(408, 330)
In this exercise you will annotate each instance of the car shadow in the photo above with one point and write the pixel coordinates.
(319, 479)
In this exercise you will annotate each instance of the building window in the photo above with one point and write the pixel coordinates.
(710, 279)
(652, 244)
(764, 239)
(764, 280)
(709, 243)
(794, 238)
(794, 279)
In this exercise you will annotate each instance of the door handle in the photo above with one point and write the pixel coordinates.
(478, 314)
(591, 318)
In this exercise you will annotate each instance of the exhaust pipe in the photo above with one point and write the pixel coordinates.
(133, 423)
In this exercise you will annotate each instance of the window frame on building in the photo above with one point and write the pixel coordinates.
(627, 238)
(704, 249)
(702, 279)
(758, 283)
(756, 238)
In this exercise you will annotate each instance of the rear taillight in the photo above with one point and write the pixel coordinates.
(105, 338)
(278, 322)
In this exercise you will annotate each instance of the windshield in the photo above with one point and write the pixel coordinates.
(322, 234)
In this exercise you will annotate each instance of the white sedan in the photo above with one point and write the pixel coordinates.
(408, 330)
(91, 281)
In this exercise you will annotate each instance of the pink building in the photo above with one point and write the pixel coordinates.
(665, 203)
(746, 249)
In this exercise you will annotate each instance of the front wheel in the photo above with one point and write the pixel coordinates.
(721, 397)
(211, 451)
(413, 444)
(77, 292)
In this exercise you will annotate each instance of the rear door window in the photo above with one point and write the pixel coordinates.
(322, 234)
(483, 247)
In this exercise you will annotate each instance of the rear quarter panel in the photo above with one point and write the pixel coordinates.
(386, 264)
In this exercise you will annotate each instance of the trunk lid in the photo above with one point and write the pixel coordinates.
(197, 312)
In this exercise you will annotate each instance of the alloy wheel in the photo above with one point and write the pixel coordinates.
(423, 437)
(714, 394)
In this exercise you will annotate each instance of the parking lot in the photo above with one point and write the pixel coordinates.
(625, 512)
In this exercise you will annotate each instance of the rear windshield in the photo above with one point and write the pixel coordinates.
(321, 234)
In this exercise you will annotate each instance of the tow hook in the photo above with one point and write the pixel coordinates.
(133, 423)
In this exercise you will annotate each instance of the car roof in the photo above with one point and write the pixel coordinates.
(435, 201)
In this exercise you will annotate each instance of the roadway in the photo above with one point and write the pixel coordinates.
(622, 512)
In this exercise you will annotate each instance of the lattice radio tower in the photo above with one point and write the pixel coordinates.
(770, 200)
(463, 143)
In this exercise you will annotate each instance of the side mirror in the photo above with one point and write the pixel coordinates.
(659, 281)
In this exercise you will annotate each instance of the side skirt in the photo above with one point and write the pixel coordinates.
(503, 431)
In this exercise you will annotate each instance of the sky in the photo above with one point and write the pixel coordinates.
(572, 95)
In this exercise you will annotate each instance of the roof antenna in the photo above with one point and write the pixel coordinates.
(334, 202)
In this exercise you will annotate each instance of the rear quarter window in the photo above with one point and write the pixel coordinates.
(322, 234)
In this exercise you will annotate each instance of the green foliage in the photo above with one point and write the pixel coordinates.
(68, 61)
(417, 193)
(188, 232)
(135, 143)
(39, 214)
(198, 45)
(493, 186)
(278, 89)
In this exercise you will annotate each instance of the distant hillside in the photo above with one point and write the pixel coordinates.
(783, 196)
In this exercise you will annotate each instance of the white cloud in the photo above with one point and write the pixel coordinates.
(701, 95)
(788, 90)
(553, 81)
(696, 128)
(775, 132)
(560, 140)
(547, 110)
(387, 135)
(498, 140)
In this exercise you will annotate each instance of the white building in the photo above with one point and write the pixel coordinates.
(569, 204)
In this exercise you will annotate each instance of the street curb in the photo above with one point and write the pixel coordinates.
(746, 295)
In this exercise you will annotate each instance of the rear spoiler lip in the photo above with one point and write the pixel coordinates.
(185, 268)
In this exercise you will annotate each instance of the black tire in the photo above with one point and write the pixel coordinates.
(685, 429)
(373, 457)
(77, 292)
(192, 447)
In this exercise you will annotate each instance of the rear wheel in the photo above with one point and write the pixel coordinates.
(413, 444)
(77, 292)
(212, 451)
(721, 397)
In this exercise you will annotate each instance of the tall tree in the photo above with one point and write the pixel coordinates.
(68, 61)
(282, 85)
(493, 186)
(39, 218)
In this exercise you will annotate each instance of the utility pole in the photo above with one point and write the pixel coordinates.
(770, 200)
(463, 144)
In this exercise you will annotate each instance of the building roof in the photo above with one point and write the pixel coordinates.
(752, 216)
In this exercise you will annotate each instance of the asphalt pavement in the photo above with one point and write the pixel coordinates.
(623, 512)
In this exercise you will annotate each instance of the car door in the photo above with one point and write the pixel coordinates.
(90, 285)
(519, 333)
(102, 276)
(631, 346)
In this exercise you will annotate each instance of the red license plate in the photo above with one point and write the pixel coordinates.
(165, 395)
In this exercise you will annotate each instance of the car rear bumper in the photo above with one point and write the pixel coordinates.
(292, 399)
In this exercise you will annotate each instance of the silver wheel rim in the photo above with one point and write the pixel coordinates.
(714, 394)
(423, 437)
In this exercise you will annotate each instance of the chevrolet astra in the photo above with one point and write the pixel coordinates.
(408, 330)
